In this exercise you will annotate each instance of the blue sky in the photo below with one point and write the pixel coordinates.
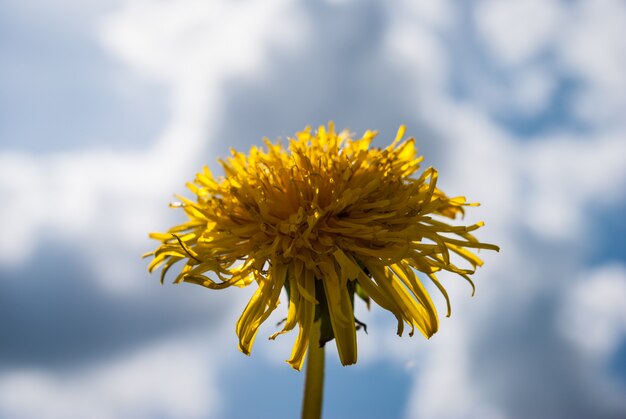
(106, 110)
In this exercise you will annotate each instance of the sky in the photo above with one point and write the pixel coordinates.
(108, 108)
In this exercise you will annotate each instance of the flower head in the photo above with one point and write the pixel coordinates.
(325, 218)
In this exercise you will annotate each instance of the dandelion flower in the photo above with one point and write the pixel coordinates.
(324, 217)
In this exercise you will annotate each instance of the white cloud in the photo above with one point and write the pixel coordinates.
(547, 186)
(593, 314)
(592, 317)
(413, 44)
(436, 14)
(520, 187)
(445, 391)
(199, 40)
(104, 201)
(568, 176)
(594, 49)
(516, 30)
(170, 379)
(428, 67)
(531, 92)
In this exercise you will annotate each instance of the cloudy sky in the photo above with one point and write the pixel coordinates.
(107, 108)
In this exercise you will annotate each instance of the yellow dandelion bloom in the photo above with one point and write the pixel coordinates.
(324, 218)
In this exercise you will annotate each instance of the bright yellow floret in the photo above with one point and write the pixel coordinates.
(324, 218)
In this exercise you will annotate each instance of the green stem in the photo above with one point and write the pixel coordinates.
(314, 379)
